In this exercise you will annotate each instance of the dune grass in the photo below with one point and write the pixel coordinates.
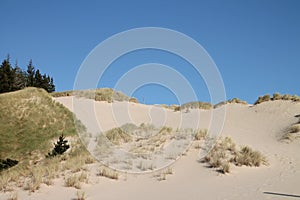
(30, 122)
(277, 96)
(99, 94)
(225, 153)
(108, 173)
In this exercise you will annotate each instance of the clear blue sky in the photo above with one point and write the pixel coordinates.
(255, 44)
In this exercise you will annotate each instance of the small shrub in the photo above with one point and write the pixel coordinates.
(7, 163)
(60, 147)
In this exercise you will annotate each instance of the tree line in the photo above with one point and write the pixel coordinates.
(14, 78)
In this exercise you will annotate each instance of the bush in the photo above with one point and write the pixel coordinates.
(60, 147)
(8, 163)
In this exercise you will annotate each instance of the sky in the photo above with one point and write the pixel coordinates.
(254, 44)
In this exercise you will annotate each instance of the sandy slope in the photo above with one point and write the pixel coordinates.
(257, 126)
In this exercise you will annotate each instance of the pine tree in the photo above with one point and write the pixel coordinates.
(38, 79)
(60, 147)
(30, 74)
(7, 76)
(20, 78)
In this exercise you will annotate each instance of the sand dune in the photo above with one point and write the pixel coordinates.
(259, 126)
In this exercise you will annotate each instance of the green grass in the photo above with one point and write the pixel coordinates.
(29, 120)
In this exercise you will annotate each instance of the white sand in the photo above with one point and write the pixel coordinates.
(257, 126)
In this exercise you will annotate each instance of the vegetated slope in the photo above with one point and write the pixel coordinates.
(99, 94)
(29, 120)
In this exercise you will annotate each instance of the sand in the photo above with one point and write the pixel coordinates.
(258, 126)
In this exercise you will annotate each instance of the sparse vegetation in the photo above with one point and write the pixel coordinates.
(200, 134)
(107, 172)
(277, 96)
(118, 136)
(292, 133)
(231, 101)
(225, 153)
(196, 105)
(247, 156)
(99, 94)
(80, 195)
(162, 175)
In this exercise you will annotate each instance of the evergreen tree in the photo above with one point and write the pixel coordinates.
(30, 74)
(60, 147)
(12, 79)
(38, 79)
(7, 76)
(20, 78)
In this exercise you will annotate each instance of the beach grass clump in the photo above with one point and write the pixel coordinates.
(231, 101)
(108, 173)
(294, 128)
(162, 174)
(196, 105)
(225, 153)
(200, 134)
(277, 96)
(292, 133)
(262, 99)
(118, 136)
(72, 181)
(80, 195)
(99, 94)
(248, 157)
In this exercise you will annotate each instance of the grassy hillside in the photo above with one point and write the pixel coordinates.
(29, 120)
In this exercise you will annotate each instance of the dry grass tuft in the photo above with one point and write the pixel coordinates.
(118, 136)
(200, 134)
(80, 195)
(13, 196)
(248, 157)
(224, 153)
(162, 175)
(277, 96)
(107, 172)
